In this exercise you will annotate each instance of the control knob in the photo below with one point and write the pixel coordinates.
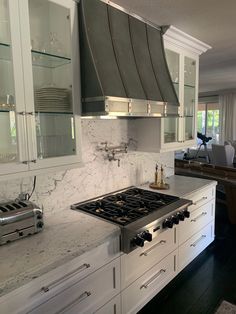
(40, 224)
(175, 219)
(146, 235)
(168, 223)
(39, 216)
(186, 213)
(139, 241)
(181, 216)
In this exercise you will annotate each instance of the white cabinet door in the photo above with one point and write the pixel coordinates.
(147, 286)
(13, 145)
(51, 75)
(39, 86)
(112, 307)
(85, 296)
(181, 132)
(199, 218)
(195, 245)
(139, 261)
(48, 286)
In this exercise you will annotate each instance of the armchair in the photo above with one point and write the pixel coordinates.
(223, 154)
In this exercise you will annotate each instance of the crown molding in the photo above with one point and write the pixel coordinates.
(183, 40)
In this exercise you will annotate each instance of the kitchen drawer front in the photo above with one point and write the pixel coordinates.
(86, 296)
(140, 260)
(201, 197)
(147, 286)
(195, 245)
(199, 218)
(45, 287)
(112, 307)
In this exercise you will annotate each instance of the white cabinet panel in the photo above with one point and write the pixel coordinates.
(195, 245)
(46, 287)
(39, 96)
(112, 307)
(200, 198)
(13, 145)
(140, 260)
(199, 218)
(87, 295)
(147, 286)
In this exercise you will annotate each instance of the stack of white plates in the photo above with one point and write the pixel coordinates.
(52, 99)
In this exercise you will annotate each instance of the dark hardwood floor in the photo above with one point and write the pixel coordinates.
(209, 279)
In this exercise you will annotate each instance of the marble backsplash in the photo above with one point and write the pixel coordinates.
(97, 176)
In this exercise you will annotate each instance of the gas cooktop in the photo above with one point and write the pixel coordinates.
(140, 214)
(126, 207)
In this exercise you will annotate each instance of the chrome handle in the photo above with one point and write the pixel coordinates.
(199, 216)
(198, 240)
(80, 298)
(64, 278)
(150, 281)
(199, 201)
(145, 253)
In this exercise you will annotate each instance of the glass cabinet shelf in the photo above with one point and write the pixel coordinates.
(54, 112)
(5, 52)
(47, 60)
(6, 110)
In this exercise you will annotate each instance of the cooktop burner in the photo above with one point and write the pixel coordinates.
(127, 206)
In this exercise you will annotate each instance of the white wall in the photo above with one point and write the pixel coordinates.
(98, 176)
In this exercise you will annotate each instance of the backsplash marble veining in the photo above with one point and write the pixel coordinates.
(98, 176)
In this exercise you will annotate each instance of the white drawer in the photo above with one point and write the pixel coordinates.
(201, 197)
(140, 260)
(112, 307)
(199, 218)
(195, 245)
(87, 295)
(143, 289)
(45, 287)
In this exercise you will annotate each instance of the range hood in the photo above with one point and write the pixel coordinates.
(123, 65)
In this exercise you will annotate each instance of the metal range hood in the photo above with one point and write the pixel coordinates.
(123, 67)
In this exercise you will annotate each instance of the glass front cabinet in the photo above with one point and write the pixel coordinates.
(39, 86)
(183, 62)
(183, 67)
(174, 133)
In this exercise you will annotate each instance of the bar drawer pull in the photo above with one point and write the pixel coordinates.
(64, 278)
(199, 201)
(198, 241)
(145, 253)
(150, 281)
(199, 216)
(82, 297)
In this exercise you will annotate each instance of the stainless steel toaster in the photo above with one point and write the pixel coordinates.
(19, 219)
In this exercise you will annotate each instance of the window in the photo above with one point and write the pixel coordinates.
(208, 120)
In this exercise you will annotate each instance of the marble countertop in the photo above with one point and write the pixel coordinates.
(67, 234)
(182, 186)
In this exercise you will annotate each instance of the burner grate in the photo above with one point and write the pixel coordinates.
(128, 206)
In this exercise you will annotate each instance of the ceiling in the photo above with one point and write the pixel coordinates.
(211, 21)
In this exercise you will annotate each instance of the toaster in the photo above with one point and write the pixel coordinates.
(19, 219)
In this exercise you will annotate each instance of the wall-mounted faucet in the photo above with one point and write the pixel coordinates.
(112, 151)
